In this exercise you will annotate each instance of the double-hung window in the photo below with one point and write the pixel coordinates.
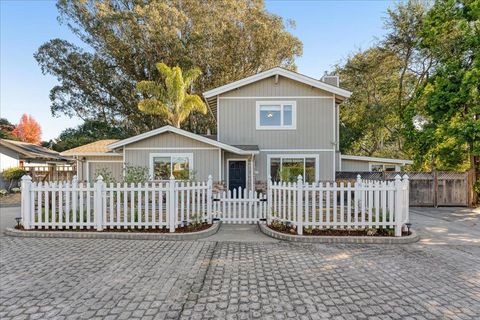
(273, 115)
(164, 165)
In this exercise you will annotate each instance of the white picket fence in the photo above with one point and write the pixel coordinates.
(65, 205)
(366, 204)
(240, 206)
(172, 204)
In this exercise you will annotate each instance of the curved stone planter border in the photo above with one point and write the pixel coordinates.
(115, 235)
(339, 239)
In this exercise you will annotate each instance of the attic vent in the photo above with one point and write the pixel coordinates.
(333, 80)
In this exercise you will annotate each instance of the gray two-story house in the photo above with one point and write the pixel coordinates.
(276, 123)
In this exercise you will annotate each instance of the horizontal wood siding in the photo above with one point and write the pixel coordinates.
(315, 125)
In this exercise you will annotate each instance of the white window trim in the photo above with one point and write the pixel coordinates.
(282, 104)
(169, 154)
(296, 156)
(246, 170)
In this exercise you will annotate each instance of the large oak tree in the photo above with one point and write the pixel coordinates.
(124, 39)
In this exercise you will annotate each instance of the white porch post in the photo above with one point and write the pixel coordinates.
(252, 183)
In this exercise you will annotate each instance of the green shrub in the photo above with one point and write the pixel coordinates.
(13, 175)
(15, 190)
(135, 174)
(106, 174)
(3, 192)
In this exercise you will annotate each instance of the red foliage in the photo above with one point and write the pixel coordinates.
(28, 130)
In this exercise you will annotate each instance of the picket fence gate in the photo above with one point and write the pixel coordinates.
(173, 204)
(240, 206)
(66, 205)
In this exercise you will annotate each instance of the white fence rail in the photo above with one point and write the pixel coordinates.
(172, 204)
(65, 205)
(240, 206)
(366, 204)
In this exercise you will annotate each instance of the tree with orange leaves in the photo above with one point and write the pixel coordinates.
(28, 130)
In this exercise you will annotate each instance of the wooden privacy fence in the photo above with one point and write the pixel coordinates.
(365, 204)
(437, 188)
(65, 205)
(240, 206)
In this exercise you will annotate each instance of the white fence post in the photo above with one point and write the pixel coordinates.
(172, 217)
(299, 205)
(406, 195)
(209, 198)
(26, 185)
(98, 203)
(398, 206)
(269, 200)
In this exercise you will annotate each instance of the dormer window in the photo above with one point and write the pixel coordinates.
(275, 115)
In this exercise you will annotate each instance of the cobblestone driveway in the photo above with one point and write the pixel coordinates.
(121, 279)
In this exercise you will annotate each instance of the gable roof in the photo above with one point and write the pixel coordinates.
(97, 148)
(182, 132)
(32, 151)
(281, 72)
(210, 96)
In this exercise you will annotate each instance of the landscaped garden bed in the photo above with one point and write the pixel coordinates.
(184, 229)
(370, 232)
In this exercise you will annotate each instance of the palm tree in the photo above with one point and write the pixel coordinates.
(171, 99)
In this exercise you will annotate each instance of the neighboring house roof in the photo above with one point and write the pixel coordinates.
(32, 151)
(97, 148)
(375, 159)
(182, 132)
(211, 95)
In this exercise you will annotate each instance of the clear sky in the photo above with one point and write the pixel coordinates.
(329, 30)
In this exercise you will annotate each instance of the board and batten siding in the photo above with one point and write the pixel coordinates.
(116, 168)
(206, 158)
(268, 88)
(355, 165)
(315, 127)
(88, 168)
(315, 131)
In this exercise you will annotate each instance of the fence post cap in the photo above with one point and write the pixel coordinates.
(210, 177)
(100, 178)
(299, 178)
(405, 176)
(359, 177)
(172, 177)
(26, 177)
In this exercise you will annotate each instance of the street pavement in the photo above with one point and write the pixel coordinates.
(239, 274)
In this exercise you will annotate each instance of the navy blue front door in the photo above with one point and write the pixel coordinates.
(237, 174)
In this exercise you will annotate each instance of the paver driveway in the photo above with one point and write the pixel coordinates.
(122, 279)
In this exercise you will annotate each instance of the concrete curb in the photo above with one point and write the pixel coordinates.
(339, 239)
(115, 235)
